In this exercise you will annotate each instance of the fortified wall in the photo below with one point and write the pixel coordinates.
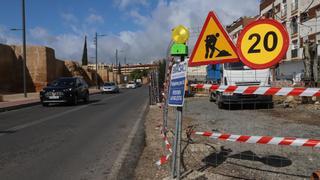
(42, 68)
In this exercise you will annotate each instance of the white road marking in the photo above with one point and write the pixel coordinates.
(125, 148)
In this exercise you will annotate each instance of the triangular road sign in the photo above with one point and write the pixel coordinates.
(213, 45)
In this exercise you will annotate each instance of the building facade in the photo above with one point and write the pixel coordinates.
(300, 17)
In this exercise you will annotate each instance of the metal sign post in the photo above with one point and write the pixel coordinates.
(180, 35)
(176, 99)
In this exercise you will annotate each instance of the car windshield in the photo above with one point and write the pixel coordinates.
(63, 82)
(235, 66)
(109, 84)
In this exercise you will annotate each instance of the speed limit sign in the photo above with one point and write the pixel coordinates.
(262, 43)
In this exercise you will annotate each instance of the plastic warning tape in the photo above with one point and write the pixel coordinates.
(288, 141)
(165, 158)
(277, 91)
(168, 145)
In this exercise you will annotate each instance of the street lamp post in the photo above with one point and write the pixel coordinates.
(24, 51)
(96, 43)
(24, 48)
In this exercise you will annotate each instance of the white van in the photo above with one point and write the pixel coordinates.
(237, 74)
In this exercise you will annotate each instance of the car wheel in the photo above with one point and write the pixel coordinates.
(86, 99)
(45, 104)
(213, 97)
(75, 100)
(219, 102)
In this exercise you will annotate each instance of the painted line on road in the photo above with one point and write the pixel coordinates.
(26, 125)
(116, 167)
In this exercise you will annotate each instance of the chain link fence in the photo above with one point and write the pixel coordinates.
(214, 158)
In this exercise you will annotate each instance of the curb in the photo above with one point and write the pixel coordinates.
(19, 106)
(9, 108)
(129, 155)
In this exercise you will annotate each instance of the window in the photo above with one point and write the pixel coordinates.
(304, 17)
(284, 10)
(234, 66)
(294, 5)
(294, 53)
(294, 25)
(295, 48)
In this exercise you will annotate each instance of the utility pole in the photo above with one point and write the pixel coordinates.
(116, 65)
(24, 48)
(125, 68)
(96, 42)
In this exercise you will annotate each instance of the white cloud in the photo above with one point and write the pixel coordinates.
(68, 46)
(138, 18)
(151, 41)
(122, 4)
(68, 17)
(94, 18)
(42, 34)
(7, 37)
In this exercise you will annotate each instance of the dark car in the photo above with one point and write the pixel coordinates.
(65, 90)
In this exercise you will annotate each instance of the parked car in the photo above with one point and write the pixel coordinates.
(138, 84)
(110, 87)
(65, 90)
(131, 85)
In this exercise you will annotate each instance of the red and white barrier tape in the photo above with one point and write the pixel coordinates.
(165, 159)
(277, 91)
(288, 141)
(168, 145)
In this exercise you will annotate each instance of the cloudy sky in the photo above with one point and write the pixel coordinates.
(139, 29)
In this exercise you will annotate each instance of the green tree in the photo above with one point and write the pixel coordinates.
(85, 53)
(138, 74)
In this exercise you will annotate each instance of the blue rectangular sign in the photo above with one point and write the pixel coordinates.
(177, 84)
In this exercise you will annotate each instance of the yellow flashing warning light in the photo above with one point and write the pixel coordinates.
(180, 34)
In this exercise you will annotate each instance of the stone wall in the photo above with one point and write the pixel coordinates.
(42, 68)
(10, 66)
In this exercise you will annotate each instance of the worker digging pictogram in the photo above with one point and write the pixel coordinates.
(211, 41)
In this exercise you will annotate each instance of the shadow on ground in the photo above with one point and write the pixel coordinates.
(217, 158)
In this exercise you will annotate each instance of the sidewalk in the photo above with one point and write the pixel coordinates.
(16, 101)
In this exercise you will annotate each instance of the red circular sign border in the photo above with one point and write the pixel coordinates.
(276, 59)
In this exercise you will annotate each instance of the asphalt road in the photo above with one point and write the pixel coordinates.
(68, 142)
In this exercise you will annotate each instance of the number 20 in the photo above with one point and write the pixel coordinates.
(257, 36)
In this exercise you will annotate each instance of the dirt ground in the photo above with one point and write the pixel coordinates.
(205, 158)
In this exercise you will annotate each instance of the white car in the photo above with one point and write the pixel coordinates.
(110, 87)
(131, 85)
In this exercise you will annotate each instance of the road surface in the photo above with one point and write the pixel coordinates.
(68, 142)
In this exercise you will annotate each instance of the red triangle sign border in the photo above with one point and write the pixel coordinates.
(212, 15)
